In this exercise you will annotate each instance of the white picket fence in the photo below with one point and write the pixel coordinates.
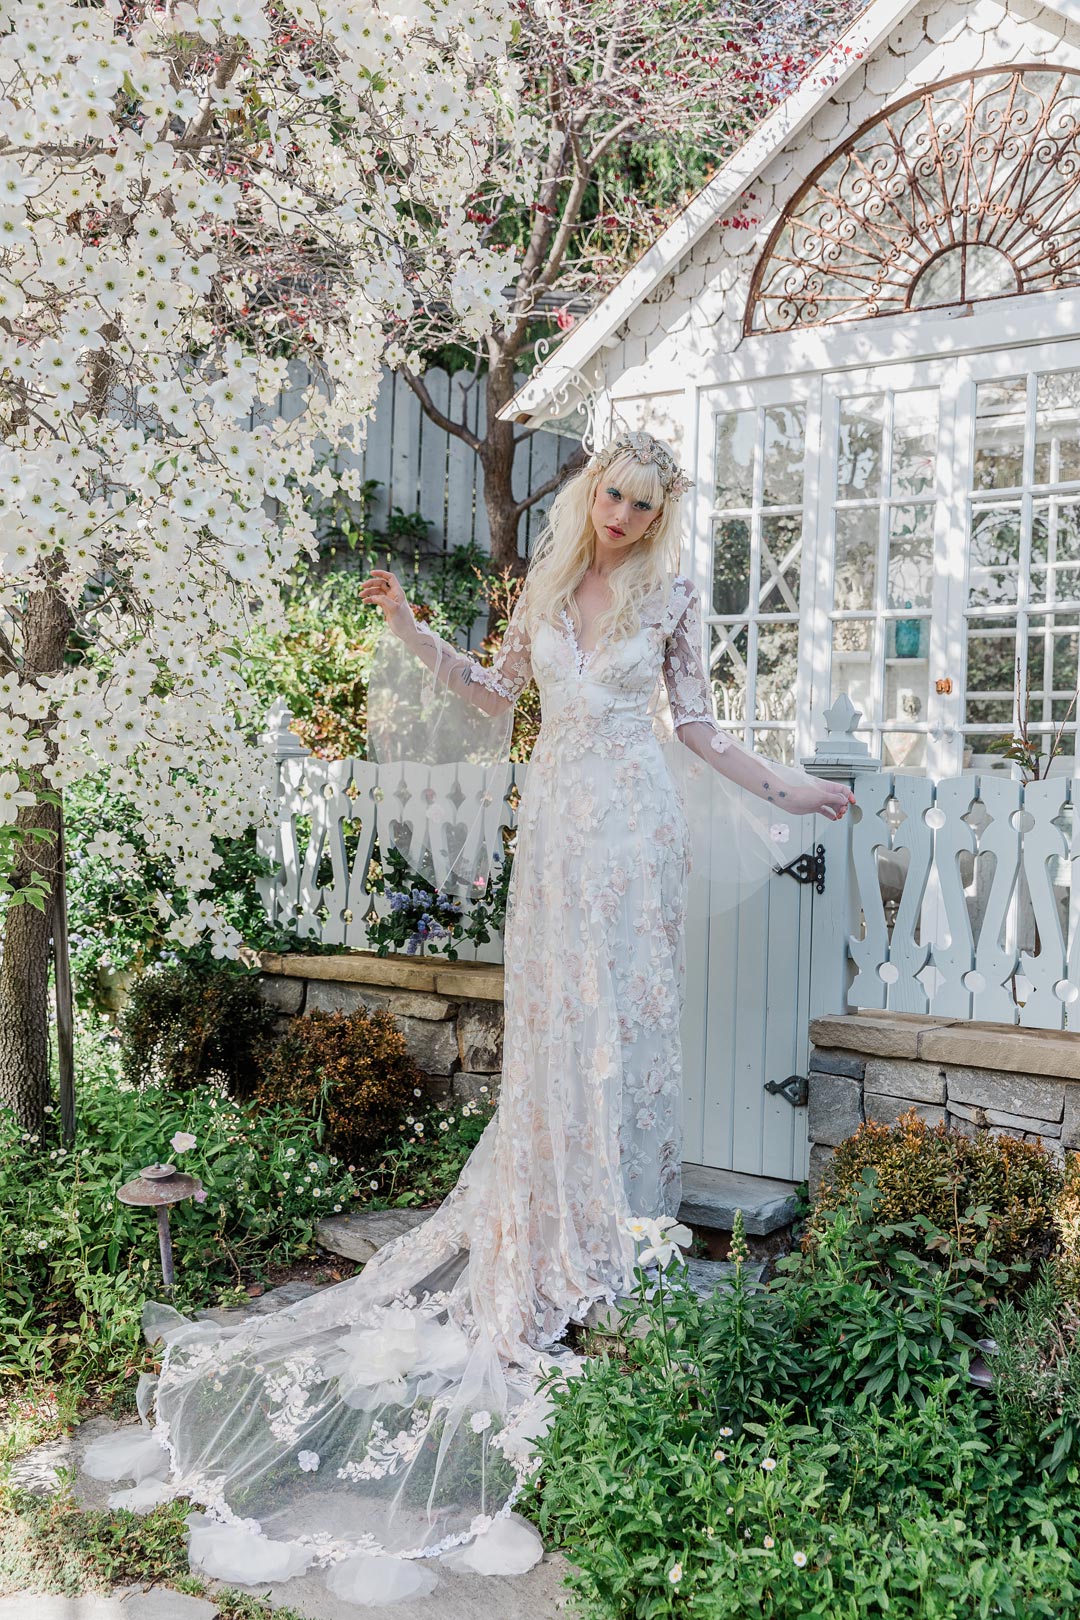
(966, 898)
(329, 816)
(421, 468)
(959, 898)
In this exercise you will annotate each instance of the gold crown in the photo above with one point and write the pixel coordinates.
(645, 449)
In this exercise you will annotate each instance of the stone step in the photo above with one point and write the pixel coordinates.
(356, 1237)
(711, 1197)
(274, 1299)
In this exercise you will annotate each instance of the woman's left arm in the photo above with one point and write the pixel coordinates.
(690, 697)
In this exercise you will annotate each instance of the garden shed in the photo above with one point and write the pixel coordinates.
(863, 338)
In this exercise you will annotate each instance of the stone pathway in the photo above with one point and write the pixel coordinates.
(127, 1603)
(537, 1595)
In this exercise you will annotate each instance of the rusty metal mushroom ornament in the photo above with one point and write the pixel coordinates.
(157, 1187)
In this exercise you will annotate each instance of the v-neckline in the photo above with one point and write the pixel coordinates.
(581, 656)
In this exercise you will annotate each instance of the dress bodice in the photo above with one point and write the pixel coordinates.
(609, 697)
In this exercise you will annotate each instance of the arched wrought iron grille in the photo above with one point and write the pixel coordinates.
(968, 190)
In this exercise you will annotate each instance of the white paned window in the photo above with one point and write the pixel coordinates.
(1022, 613)
(883, 521)
(756, 561)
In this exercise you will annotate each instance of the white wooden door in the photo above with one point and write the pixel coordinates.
(748, 970)
(746, 1024)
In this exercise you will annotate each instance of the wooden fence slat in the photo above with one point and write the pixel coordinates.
(908, 955)
(461, 473)
(995, 954)
(377, 451)
(404, 445)
(1046, 845)
(954, 955)
(868, 835)
(433, 455)
(544, 462)
(481, 529)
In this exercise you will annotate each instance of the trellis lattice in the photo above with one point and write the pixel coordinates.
(969, 190)
(969, 894)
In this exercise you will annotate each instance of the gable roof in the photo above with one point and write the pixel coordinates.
(855, 44)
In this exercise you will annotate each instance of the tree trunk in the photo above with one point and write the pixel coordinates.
(497, 459)
(24, 968)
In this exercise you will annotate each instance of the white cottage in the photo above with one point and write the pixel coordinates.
(864, 337)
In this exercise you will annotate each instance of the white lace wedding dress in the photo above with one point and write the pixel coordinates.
(378, 1424)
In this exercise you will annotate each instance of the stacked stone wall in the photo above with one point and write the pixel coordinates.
(973, 1078)
(451, 1014)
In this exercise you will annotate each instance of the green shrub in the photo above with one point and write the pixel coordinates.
(190, 1023)
(726, 1464)
(994, 1193)
(75, 1265)
(1036, 1375)
(349, 1073)
(421, 1161)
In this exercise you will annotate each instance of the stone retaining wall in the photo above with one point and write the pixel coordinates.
(976, 1078)
(451, 1013)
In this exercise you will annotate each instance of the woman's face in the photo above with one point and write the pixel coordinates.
(618, 521)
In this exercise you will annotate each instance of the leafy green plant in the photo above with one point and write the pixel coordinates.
(1034, 752)
(1036, 1374)
(983, 1200)
(718, 1462)
(76, 1265)
(190, 1023)
(421, 1161)
(424, 918)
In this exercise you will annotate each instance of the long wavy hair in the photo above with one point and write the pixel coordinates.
(565, 549)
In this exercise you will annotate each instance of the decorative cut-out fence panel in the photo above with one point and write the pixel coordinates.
(967, 895)
(328, 818)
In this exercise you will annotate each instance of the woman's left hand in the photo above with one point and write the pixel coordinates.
(820, 798)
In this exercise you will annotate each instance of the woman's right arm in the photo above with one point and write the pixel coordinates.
(493, 688)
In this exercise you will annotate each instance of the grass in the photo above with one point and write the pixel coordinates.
(50, 1544)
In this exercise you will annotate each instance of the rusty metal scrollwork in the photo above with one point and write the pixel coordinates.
(965, 191)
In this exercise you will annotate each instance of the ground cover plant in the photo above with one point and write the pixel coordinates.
(75, 1265)
(816, 1447)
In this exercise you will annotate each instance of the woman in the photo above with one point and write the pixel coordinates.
(384, 1422)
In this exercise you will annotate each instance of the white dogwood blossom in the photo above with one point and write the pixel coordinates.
(200, 204)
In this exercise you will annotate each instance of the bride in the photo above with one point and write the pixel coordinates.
(388, 1422)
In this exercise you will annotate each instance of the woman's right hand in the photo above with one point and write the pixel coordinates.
(383, 589)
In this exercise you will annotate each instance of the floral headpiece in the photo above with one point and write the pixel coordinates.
(645, 449)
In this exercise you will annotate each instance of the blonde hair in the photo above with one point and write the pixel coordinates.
(565, 549)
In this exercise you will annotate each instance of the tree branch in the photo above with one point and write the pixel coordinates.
(572, 464)
(440, 418)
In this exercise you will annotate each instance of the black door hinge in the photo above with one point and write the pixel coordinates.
(807, 868)
(796, 1088)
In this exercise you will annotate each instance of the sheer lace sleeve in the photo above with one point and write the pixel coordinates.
(494, 688)
(441, 724)
(694, 721)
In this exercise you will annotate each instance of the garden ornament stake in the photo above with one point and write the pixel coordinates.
(156, 1187)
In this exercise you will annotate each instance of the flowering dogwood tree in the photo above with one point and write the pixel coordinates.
(192, 197)
(627, 105)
